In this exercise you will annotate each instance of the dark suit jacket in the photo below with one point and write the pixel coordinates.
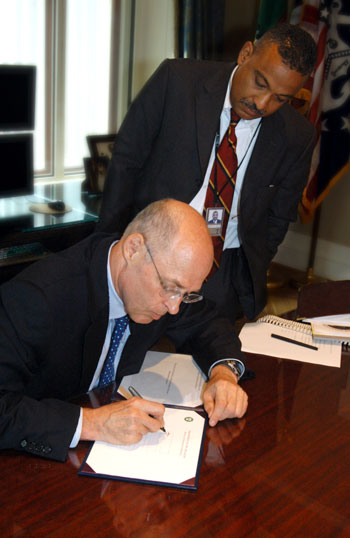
(53, 321)
(163, 147)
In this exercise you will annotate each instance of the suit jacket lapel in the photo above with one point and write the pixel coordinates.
(211, 94)
(93, 343)
(98, 311)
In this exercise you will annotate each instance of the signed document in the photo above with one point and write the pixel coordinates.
(168, 459)
(169, 378)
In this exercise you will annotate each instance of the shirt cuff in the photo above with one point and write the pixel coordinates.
(77, 434)
(239, 365)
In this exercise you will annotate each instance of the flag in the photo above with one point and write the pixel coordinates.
(329, 92)
(271, 12)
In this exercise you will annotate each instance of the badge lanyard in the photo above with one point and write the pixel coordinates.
(217, 144)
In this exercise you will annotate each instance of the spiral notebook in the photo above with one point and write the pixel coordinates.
(278, 337)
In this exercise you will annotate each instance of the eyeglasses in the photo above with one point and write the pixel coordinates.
(175, 293)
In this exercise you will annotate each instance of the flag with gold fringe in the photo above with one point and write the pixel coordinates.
(328, 90)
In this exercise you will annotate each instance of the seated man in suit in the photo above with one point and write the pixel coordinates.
(79, 318)
(237, 145)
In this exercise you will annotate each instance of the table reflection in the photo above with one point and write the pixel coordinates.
(15, 213)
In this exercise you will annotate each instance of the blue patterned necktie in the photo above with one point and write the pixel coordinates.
(108, 374)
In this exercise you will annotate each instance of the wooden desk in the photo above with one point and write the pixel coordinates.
(282, 471)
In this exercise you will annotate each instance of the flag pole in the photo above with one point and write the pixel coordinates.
(314, 236)
(310, 277)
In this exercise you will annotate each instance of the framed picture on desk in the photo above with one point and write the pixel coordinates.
(101, 145)
(95, 173)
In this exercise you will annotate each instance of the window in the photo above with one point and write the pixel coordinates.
(70, 43)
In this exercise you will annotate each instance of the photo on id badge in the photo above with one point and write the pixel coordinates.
(215, 218)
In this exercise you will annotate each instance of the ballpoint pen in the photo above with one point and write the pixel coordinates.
(134, 392)
(295, 342)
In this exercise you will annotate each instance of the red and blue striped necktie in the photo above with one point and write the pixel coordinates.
(222, 185)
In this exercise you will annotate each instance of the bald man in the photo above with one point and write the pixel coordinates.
(58, 319)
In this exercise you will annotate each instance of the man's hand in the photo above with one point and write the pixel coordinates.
(122, 423)
(223, 397)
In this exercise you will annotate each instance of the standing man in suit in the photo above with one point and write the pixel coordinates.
(76, 320)
(169, 145)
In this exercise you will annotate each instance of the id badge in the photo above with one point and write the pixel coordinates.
(214, 219)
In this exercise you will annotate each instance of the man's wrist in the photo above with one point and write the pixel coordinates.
(236, 366)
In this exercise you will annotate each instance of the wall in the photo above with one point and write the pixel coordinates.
(146, 37)
(332, 256)
(154, 38)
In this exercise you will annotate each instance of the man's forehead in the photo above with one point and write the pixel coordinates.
(185, 276)
(270, 66)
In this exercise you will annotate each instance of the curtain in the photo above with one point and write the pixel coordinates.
(201, 29)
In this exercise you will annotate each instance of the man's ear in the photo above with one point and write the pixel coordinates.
(245, 53)
(134, 247)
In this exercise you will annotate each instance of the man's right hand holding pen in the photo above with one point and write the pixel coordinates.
(122, 423)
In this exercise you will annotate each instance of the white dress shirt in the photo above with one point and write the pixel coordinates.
(247, 133)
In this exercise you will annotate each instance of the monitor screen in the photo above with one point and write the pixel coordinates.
(17, 97)
(16, 165)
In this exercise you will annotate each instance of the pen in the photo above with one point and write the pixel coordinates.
(134, 392)
(291, 341)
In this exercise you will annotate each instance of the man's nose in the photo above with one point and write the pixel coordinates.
(262, 102)
(173, 305)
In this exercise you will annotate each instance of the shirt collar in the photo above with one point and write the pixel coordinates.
(116, 306)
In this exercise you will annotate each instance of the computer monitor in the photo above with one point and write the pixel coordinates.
(16, 165)
(17, 97)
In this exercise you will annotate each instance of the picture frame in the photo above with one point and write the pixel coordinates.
(214, 219)
(101, 145)
(95, 173)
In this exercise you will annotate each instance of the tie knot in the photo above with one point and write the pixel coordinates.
(122, 322)
(234, 117)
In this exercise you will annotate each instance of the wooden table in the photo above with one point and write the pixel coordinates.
(282, 471)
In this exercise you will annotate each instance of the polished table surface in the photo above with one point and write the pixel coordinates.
(281, 471)
(16, 214)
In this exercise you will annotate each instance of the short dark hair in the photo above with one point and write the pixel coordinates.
(296, 46)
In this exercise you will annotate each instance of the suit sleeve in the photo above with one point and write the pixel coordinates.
(199, 331)
(132, 149)
(42, 426)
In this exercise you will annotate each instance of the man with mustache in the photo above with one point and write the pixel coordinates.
(169, 145)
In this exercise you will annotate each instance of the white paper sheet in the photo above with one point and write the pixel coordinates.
(339, 319)
(167, 378)
(170, 457)
(256, 338)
